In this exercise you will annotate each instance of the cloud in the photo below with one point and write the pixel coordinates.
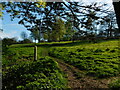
(13, 25)
(12, 34)
(6, 35)
(105, 1)
(3, 35)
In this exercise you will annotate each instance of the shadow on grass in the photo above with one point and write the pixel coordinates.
(55, 44)
(76, 43)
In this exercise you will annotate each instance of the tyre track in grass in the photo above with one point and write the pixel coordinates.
(77, 78)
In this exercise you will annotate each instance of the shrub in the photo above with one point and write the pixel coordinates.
(25, 41)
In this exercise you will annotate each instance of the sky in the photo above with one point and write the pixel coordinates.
(13, 29)
(108, 1)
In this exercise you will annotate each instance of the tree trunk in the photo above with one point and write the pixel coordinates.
(38, 40)
(117, 11)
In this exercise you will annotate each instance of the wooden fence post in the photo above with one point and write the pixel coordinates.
(35, 53)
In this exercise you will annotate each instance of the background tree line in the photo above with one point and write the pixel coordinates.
(64, 21)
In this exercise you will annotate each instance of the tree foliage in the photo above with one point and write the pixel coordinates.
(35, 34)
(24, 35)
(82, 16)
(7, 42)
(58, 30)
(68, 33)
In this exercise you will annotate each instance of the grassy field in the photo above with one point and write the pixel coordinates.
(20, 71)
(100, 60)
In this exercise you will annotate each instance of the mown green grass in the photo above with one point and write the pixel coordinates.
(99, 59)
(95, 59)
(20, 53)
(34, 75)
(42, 44)
(20, 71)
(51, 44)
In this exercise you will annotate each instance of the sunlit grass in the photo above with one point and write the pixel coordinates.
(98, 59)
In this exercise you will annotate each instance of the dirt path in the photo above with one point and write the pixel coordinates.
(77, 79)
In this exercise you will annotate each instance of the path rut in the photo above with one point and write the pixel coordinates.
(77, 78)
(80, 80)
